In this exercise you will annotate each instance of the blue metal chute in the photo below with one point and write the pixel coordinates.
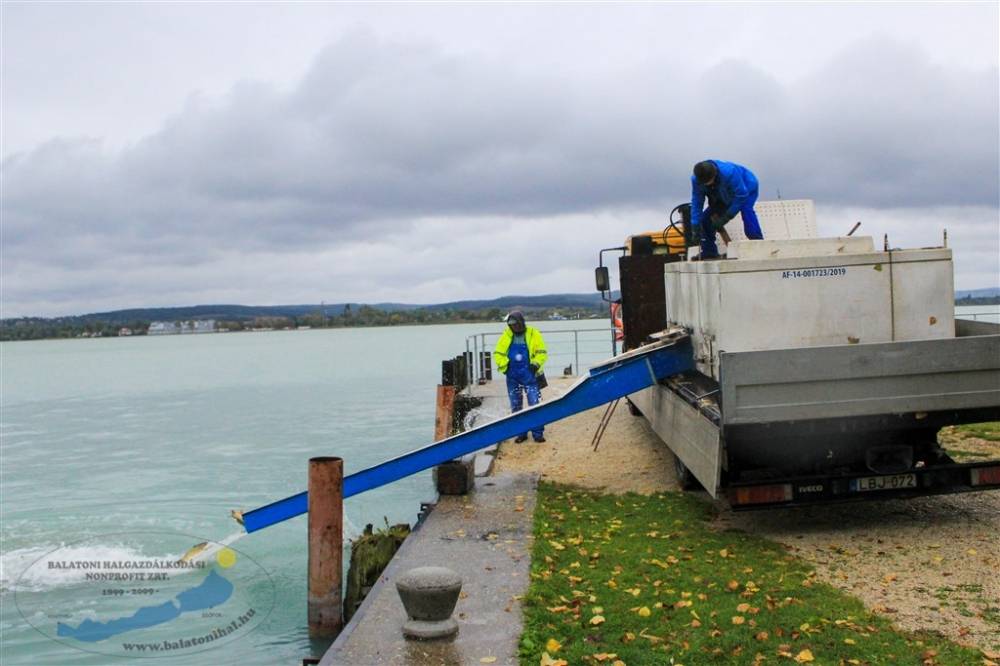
(611, 380)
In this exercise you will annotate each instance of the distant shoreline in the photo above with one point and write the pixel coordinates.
(498, 323)
(112, 324)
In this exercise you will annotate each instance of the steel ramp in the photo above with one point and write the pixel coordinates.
(605, 382)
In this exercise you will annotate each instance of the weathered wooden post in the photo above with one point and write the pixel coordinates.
(326, 546)
(444, 413)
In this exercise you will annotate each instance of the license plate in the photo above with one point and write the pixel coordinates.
(892, 482)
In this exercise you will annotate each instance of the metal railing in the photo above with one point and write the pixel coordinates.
(987, 316)
(596, 345)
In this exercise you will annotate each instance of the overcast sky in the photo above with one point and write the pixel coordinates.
(162, 154)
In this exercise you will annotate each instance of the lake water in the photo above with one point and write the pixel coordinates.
(979, 312)
(113, 447)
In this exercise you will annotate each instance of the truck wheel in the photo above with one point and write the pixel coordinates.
(685, 479)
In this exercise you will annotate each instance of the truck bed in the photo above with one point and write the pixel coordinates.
(821, 422)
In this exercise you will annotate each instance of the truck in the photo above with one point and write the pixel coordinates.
(824, 368)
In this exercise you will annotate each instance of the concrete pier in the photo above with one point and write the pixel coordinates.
(485, 537)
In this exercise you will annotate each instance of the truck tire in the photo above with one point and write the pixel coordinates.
(685, 479)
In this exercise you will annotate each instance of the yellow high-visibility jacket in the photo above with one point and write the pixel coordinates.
(536, 348)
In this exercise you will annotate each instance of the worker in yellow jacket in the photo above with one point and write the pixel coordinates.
(520, 355)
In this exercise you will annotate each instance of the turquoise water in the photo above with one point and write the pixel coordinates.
(133, 449)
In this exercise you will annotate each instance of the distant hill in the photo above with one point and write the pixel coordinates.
(230, 312)
(511, 302)
(990, 292)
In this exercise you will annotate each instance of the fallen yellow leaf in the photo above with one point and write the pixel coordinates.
(762, 636)
(487, 660)
(743, 608)
(804, 656)
(850, 641)
(732, 586)
(557, 545)
(644, 611)
(723, 553)
(597, 619)
(738, 619)
(552, 645)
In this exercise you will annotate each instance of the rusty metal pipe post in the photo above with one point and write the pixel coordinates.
(326, 546)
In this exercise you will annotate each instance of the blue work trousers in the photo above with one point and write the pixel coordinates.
(521, 379)
(751, 227)
(515, 391)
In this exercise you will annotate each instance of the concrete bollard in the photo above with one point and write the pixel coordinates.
(326, 547)
(429, 595)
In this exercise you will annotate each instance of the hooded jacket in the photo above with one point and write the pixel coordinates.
(734, 186)
(537, 353)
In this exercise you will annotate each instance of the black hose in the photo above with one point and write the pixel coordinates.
(673, 224)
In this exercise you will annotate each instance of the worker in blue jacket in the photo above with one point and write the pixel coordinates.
(730, 189)
(520, 354)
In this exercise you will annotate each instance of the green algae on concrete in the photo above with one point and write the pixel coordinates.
(370, 555)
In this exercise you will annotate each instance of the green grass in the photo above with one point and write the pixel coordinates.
(669, 590)
(988, 431)
(959, 453)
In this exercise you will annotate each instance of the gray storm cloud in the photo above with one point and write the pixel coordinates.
(379, 135)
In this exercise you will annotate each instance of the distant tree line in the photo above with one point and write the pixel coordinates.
(978, 300)
(36, 328)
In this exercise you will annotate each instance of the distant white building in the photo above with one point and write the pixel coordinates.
(181, 327)
(163, 328)
(198, 326)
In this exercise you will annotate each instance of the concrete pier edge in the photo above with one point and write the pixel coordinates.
(486, 537)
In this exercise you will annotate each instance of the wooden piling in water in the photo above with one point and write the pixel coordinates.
(444, 413)
(326, 546)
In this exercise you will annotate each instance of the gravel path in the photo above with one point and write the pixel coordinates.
(629, 458)
(929, 563)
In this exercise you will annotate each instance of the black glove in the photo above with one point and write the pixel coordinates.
(719, 220)
(534, 369)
